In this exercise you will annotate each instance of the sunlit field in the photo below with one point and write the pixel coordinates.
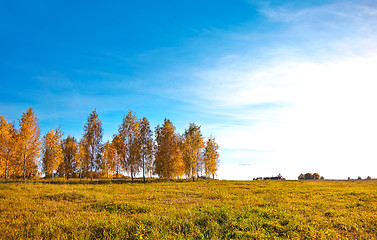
(188, 210)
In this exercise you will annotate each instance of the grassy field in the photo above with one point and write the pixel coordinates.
(189, 210)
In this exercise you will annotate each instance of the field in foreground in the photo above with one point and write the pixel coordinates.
(189, 210)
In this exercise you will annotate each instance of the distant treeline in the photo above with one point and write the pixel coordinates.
(278, 177)
(133, 150)
(359, 178)
(310, 176)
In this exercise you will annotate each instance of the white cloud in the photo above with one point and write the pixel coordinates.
(328, 121)
(305, 105)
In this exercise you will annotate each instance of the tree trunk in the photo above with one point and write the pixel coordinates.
(197, 168)
(91, 167)
(52, 172)
(6, 166)
(6, 169)
(143, 170)
(24, 166)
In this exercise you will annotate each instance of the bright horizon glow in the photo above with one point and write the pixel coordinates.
(285, 87)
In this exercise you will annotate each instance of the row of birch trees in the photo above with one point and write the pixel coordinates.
(134, 150)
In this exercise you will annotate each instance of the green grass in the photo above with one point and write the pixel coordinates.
(188, 210)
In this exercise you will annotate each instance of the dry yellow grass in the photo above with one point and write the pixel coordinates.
(189, 210)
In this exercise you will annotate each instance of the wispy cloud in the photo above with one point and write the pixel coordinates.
(303, 103)
(326, 13)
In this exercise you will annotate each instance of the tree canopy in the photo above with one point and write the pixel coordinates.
(134, 149)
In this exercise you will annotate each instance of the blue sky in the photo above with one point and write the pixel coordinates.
(285, 86)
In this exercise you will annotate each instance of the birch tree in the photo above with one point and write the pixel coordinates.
(119, 146)
(211, 157)
(109, 159)
(168, 157)
(146, 146)
(29, 142)
(83, 158)
(192, 148)
(8, 147)
(128, 145)
(92, 139)
(70, 152)
(52, 153)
